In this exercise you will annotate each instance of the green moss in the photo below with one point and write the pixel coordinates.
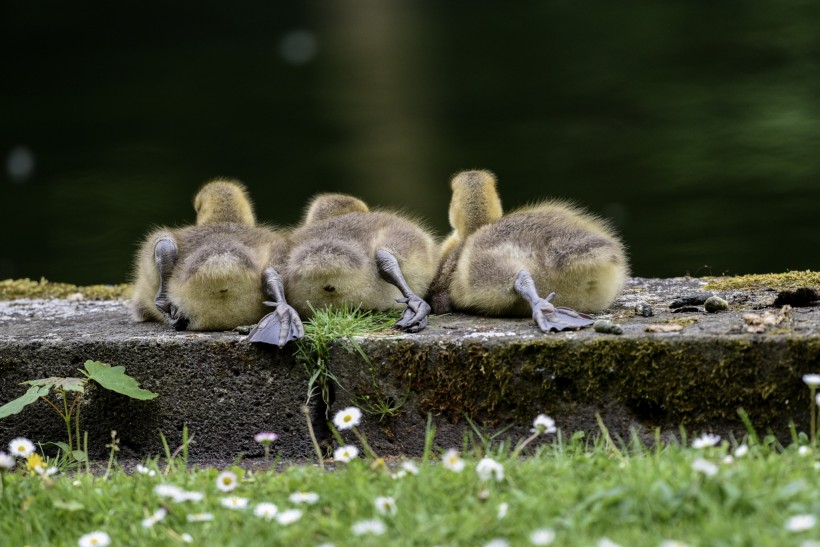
(12, 289)
(779, 281)
(660, 383)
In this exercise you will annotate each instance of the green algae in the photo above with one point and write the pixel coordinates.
(14, 289)
(778, 281)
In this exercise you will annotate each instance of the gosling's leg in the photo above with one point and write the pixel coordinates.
(415, 315)
(165, 256)
(547, 316)
(282, 324)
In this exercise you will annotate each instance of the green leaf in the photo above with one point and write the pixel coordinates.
(31, 396)
(62, 446)
(79, 455)
(68, 384)
(115, 379)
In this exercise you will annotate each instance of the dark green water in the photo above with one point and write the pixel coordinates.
(694, 125)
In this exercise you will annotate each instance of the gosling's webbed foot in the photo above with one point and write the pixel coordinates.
(414, 317)
(278, 327)
(165, 257)
(551, 318)
(546, 316)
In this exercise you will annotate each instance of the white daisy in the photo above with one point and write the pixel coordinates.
(489, 468)
(706, 440)
(410, 467)
(606, 542)
(265, 438)
(543, 424)
(226, 481)
(497, 542)
(187, 538)
(812, 380)
(542, 536)
(673, 543)
(234, 502)
(804, 450)
(45, 472)
(741, 451)
(158, 515)
(168, 491)
(373, 527)
(400, 474)
(142, 470)
(386, 505)
(347, 418)
(265, 510)
(452, 461)
(288, 517)
(345, 453)
(6, 461)
(706, 467)
(801, 523)
(503, 509)
(304, 497)
(185, 495)
(94, 539)
(21, 447)
(200, 517)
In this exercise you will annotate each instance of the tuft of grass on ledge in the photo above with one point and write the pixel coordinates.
(13, 289)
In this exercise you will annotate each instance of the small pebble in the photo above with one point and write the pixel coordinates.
(715, 304)
(696, 299)
(644, 310)
(608, 327)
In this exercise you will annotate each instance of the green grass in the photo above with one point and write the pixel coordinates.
(632, 495)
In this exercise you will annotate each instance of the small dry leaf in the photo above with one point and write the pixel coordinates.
(758, 323)
(666, 327)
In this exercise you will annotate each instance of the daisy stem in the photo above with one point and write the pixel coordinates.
(306, 412)
(363, 440)
(813, 414)
(523, 444)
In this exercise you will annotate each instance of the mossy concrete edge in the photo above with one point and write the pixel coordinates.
(499, 373)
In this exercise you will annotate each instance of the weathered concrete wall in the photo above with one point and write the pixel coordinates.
(496, 371)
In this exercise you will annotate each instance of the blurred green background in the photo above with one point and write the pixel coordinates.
(694, 126)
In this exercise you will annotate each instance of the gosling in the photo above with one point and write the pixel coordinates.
(496, 264)
(345, 254)
(218, 274)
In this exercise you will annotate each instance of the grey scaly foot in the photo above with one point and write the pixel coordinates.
(546, 316)
(282, 324)
(414, 317)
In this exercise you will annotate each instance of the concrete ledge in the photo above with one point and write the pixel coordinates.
(496, 371)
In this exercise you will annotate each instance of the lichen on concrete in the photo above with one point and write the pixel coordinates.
(777, 281)
(13, 289)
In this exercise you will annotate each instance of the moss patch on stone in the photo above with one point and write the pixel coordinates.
(657, 383)
(778, 281)
(14, 289)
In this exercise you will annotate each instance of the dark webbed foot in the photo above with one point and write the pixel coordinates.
(548, 317)
(282, 324)
(551, 318)
(278, 327)
(414, 317)
(165, 257)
